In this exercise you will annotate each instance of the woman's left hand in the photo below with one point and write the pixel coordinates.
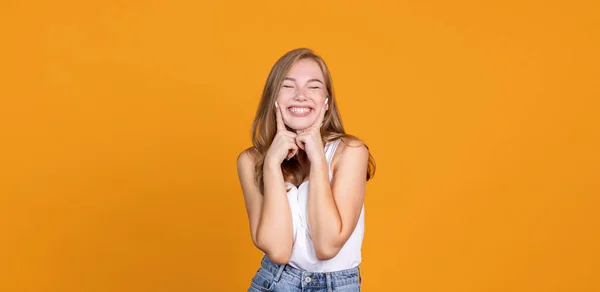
(310, 140)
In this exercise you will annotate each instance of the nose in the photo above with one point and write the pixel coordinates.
(300, 94)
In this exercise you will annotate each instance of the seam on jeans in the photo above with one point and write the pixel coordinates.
(259, 287)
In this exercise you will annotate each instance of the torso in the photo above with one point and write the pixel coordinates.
(303, 254)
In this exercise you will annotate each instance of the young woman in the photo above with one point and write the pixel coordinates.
(304, 182)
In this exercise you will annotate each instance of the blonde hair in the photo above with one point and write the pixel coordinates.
(264, 126)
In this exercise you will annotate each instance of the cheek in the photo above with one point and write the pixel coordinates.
(321, 99)
(321, 95)
(283, 96)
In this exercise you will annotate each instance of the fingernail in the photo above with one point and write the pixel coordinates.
(276, 105)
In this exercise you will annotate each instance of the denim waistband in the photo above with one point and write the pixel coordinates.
(304, 279)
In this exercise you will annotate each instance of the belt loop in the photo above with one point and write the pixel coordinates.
(328, 279)
(279, 272)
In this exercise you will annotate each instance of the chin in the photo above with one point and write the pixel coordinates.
(297, 127)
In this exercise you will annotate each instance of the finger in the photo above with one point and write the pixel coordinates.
(289, 134)
(292, 152)
(280, 124)
(300, 142)
(319, 122)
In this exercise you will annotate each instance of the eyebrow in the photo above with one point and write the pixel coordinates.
(309, 80)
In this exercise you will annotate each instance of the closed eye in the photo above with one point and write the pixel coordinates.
(288, 86)
(314, 87)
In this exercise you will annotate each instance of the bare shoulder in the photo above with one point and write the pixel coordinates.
(246, 172)
(246, 162)
(246, 158)
(350, 150)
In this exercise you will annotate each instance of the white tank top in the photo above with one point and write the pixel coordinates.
(303, 253)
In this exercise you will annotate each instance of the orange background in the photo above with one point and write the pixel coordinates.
(121, 122)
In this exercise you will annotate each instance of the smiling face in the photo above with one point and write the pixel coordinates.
(302, 94)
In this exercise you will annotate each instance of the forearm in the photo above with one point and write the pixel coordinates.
(274, 232)
(323, 216)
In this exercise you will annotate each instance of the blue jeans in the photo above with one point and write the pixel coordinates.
(285, 278)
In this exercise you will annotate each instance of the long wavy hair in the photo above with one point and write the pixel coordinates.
(264, 126)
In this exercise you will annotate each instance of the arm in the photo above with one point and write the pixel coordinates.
(333, 210)
(269, 215)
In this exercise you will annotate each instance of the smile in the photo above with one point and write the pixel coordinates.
(300, 111)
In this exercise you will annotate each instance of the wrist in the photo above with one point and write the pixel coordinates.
(319, 163)
(271, 166)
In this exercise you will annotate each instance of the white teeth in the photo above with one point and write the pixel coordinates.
(299, 110)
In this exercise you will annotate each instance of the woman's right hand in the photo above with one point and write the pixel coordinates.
(284, 144)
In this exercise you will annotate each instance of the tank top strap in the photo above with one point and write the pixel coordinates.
(330, 150)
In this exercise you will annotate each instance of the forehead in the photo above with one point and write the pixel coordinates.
(306, 69)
